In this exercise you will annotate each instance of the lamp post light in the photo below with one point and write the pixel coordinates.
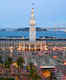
(19, 49)
(11, 51)
(65, 63)
(64, 52)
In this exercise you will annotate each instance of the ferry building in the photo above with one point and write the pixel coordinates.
(19, 45)
(33, 49)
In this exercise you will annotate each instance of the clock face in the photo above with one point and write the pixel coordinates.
(33, 29)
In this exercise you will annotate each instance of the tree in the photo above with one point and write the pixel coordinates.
(8, 62)
(1, 61)
(20, 62)
(33, 72)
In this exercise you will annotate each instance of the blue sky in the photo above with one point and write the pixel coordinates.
(16, 13)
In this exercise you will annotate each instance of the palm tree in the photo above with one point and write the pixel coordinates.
(33, 73)
(10, 60)
(1, 61)
(20, 63)
(7, 63)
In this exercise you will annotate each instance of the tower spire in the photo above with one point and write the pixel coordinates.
(32, 27)
(32, 20)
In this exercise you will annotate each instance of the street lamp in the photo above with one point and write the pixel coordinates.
(65, 63)
(11, 51)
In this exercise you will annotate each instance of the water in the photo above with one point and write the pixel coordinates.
(57, 34)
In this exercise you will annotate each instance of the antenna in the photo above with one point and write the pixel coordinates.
(33, 4)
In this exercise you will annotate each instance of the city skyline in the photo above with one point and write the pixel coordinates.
(15, 14)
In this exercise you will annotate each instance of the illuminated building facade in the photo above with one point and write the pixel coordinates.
(20, 45)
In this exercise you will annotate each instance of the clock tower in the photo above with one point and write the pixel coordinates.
(32, 30)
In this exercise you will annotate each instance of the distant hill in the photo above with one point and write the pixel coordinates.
(37, 29)
(27, 29)
(41, 29)
(2, 29)
(22, 29)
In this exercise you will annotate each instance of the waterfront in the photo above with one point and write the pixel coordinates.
(33, 55)
(50, 52)
(57, 34)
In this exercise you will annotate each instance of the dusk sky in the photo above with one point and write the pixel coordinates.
(16, 13)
